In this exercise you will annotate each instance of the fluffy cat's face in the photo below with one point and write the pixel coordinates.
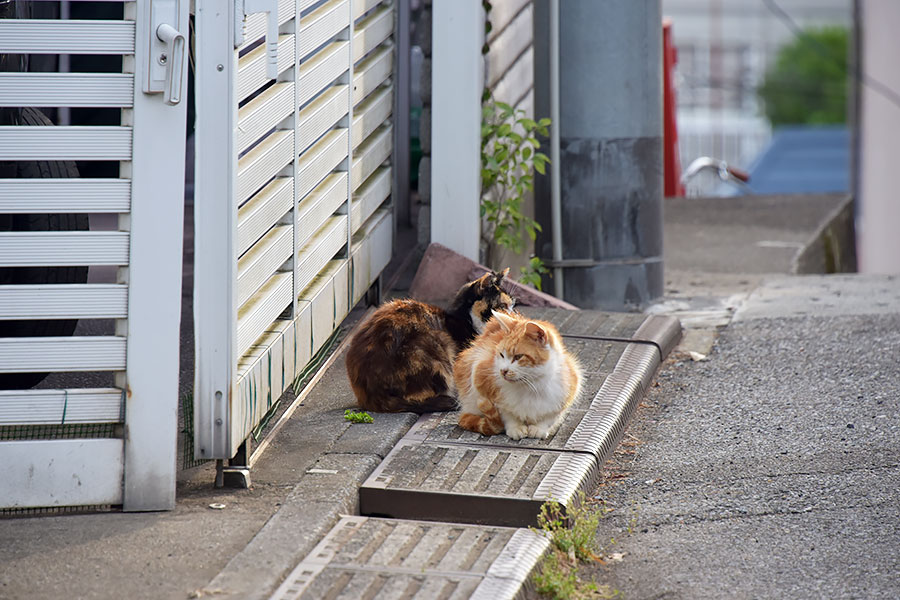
(522, 352)
(490, 298)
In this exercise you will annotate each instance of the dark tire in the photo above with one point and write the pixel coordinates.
(373, 294)
(36, 275)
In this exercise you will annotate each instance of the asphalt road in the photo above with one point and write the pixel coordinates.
(772, 468)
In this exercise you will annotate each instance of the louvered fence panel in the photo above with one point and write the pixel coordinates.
(311, 175)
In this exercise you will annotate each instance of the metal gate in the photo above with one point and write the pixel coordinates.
(292, 214)
(92, 125)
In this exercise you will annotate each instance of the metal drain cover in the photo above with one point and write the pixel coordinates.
(467, 483)
(364, 557)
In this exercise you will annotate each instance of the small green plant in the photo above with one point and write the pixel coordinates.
(573, 530)
(633, 518)
(358, 416)
(557, 578)
(509, 157)
(573, 534)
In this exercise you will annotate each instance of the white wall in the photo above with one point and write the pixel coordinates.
(457, 83)
(878, 225)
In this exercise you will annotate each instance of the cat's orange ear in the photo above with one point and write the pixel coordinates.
(536, 332)
(505, 320)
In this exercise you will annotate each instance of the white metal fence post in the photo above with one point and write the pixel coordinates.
(215, 229)
(154, 278)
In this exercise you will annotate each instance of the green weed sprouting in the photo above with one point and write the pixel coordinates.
(358, 416)
(573, 534)
(573, 530)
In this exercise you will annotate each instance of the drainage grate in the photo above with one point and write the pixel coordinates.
(473, 484)
(365, 557)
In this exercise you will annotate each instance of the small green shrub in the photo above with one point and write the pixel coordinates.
(509, 157)
(557, 579)
(576, 534)
(573, 534)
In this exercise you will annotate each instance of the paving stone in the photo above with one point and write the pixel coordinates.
(364, 557)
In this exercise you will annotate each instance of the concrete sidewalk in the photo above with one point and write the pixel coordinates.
(313, 464)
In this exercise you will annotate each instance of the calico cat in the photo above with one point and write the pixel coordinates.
(516, 376)
(401, 359)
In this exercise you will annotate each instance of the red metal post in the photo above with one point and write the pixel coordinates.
(671, 163)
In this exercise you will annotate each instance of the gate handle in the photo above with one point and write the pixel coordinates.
(174, 61)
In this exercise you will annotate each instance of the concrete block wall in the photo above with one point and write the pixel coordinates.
(421, 37)
(509, 75)
(509, 62)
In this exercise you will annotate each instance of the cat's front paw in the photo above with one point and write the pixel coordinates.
(538, 431)
(516, 432)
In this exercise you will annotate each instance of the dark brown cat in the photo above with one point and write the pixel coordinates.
(401, 359)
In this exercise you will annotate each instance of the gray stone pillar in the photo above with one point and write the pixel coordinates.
(610, 149)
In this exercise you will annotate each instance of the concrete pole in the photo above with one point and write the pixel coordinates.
(610, 129)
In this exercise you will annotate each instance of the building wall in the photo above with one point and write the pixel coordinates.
(879, 139)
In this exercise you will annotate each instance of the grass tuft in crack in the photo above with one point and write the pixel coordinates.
(573, 535)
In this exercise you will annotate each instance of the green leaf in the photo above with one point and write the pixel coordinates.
(539, 167)
(544, 122)
(526, 152)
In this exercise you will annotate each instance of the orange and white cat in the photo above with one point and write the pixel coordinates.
(516, 376)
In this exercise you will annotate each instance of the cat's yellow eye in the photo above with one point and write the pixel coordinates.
(517, 357)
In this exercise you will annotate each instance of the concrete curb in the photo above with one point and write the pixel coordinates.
(343, 567)
(339, 459)
(832, 248)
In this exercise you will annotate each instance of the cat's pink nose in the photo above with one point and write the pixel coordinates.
(504, 372)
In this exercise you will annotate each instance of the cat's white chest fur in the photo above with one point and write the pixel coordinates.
(535, 392)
